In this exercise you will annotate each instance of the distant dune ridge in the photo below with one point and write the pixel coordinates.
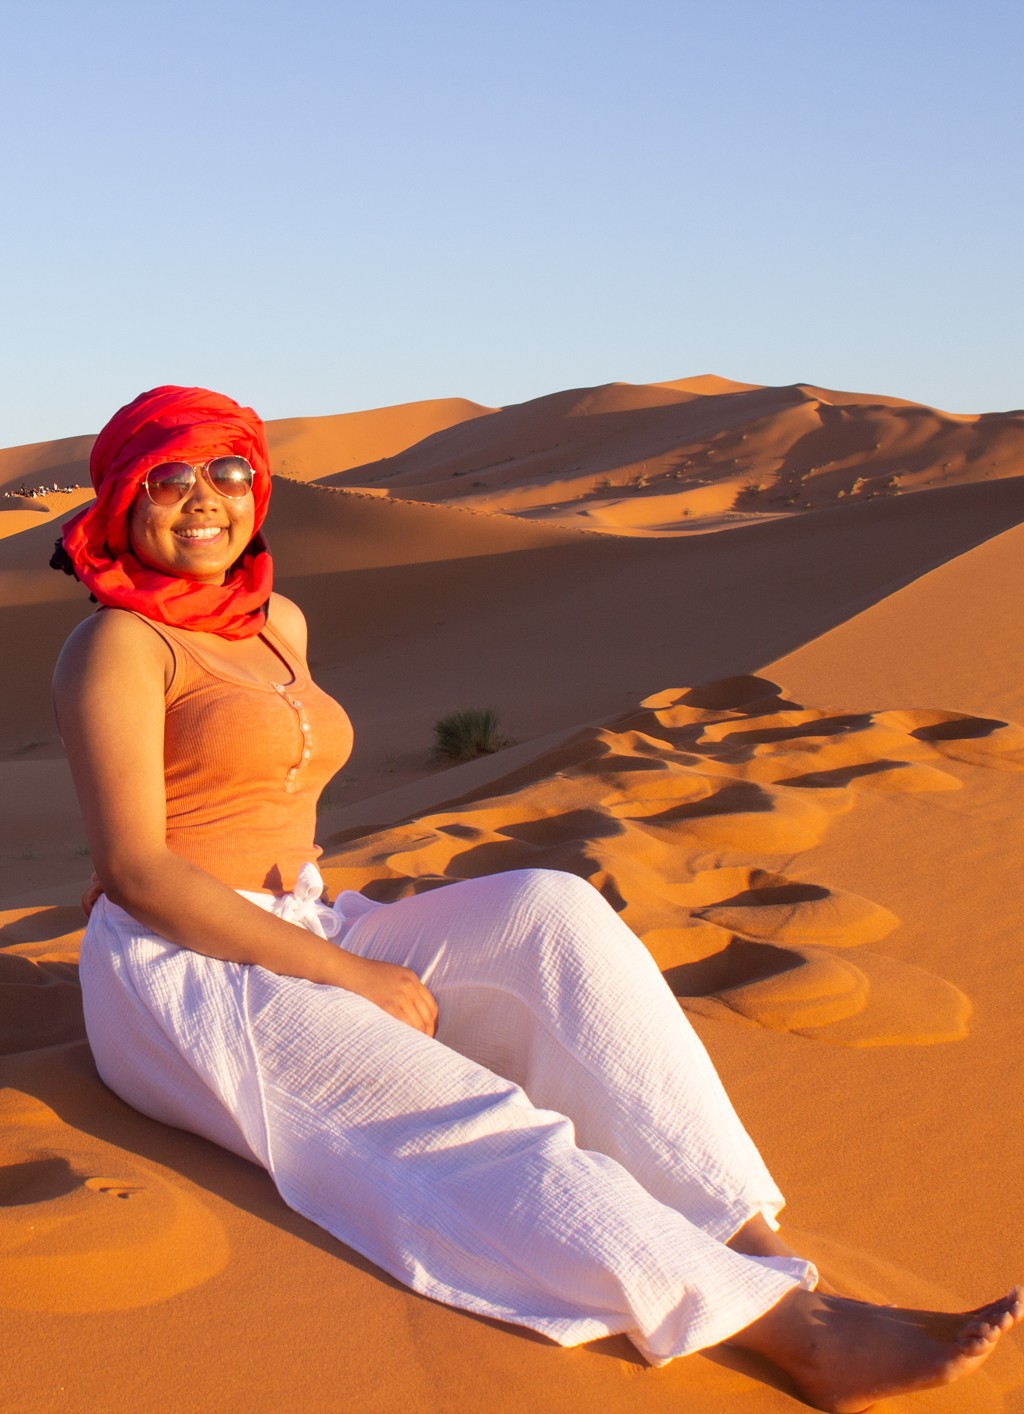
(789, 754)
(669, 457)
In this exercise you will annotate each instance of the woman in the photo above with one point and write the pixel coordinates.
(486, 1089)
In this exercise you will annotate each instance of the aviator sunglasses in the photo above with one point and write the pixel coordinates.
(170, 482)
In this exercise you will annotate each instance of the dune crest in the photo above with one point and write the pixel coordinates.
(694, 453)
(303, 448)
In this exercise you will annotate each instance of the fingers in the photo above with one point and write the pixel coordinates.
(412, 1002)
(395, 989)
(423, 1009)
(91, 894)
(416, 1014)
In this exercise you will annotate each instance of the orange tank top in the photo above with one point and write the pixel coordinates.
(244, 764)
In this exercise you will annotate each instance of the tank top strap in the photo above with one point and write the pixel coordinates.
(291, 655)
(171, 638)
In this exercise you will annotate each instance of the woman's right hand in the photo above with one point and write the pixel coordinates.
(91, 895)
(396, 990)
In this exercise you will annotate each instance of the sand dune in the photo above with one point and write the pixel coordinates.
(303, 448)
(682, 456)
(790, 755)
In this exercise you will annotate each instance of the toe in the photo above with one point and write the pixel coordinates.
(978, 1332)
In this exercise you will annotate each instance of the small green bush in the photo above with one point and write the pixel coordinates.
(462, 736)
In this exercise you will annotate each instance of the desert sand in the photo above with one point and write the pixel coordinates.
(758, 654)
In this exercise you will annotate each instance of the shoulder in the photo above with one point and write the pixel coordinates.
(289, 621)
(109, 691)
(114, 642)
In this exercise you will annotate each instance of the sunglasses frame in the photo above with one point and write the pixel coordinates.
(195, 468)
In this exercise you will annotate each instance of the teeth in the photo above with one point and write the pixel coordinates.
(208, 533)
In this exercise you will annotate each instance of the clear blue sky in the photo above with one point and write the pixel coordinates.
(331, 206)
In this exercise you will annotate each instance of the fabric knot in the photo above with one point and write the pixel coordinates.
(304, 907)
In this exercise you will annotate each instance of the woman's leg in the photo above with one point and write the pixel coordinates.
(448, 1177)
(441, 1172)
(539, 980)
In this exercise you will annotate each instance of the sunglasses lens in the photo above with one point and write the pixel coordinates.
(169, 483)
(231, 476)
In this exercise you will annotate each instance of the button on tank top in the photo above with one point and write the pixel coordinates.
(244, 764)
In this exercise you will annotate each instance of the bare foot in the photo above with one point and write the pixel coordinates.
(843, 1355)
(756, 1239)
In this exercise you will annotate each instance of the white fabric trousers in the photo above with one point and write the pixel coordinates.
(562, 1155)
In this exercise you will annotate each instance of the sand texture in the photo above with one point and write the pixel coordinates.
(792, 755)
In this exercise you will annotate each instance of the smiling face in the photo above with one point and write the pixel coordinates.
(200, 538)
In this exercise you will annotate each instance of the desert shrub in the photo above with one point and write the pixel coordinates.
(462, 736)
(753, 489)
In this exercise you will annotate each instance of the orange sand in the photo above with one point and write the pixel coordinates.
(789, 754)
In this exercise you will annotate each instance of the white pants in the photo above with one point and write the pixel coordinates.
(562, 1155)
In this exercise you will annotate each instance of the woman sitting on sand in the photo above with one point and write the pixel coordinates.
(486, 1089)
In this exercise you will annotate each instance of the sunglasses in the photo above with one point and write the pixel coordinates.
(170, 482)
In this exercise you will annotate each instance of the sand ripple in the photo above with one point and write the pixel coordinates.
(677, 812)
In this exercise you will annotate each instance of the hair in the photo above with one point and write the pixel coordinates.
(61, 560)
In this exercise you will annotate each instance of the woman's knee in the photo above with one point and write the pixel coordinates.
(553, 890)
(555, 908)
(544, 914)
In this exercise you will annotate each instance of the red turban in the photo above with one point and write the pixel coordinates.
(171, 424)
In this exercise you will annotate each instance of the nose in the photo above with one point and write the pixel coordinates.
(201, 492)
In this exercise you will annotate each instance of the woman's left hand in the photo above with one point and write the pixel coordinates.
(396, 990)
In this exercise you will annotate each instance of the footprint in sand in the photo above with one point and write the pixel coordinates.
(115, 1188)
(93, 1231)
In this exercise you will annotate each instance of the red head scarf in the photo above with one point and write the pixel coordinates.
(171, 424)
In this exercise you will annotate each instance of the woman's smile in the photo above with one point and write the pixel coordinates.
(207, 532)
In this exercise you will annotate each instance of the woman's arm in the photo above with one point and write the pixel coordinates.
(109, 694)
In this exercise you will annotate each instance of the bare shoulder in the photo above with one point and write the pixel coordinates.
(110, 643)
(290, 622)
